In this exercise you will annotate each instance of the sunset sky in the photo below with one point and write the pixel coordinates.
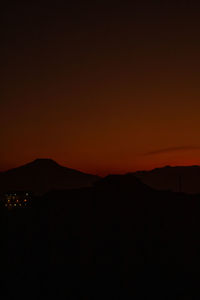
(98, 86)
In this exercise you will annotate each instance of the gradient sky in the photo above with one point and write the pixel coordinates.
(98, 86)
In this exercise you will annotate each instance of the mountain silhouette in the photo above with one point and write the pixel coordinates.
(107, 241)
(127, 183)
(177, 179)
(43, 175)
(117, 231)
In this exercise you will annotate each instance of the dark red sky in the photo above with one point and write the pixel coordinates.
(101, 87)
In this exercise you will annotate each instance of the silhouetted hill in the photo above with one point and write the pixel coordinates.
(185, 179)
(127, 183)
(43, 175)
(116, 240)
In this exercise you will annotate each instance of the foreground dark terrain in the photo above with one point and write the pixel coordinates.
(117, 240)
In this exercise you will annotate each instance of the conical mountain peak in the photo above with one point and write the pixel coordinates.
(44, 161)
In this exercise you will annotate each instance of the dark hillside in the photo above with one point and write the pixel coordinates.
(117, 240)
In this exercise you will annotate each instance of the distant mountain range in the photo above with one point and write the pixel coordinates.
(44, 175)
(177, 179)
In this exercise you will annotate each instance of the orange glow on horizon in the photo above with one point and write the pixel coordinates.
(101, 95)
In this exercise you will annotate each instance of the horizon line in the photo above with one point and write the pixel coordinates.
(106, 173)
